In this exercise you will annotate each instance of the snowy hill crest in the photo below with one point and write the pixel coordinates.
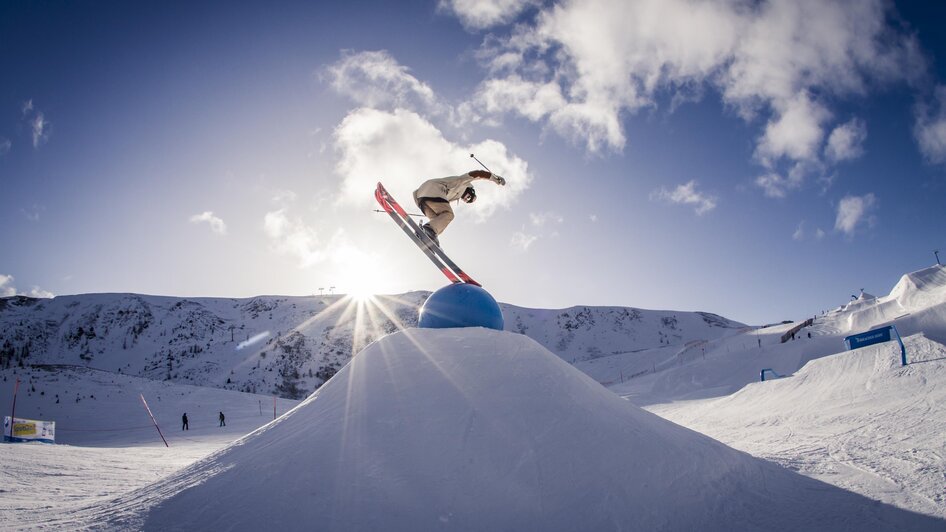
(290, 345)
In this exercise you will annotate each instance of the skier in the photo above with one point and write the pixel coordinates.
(434, 197)
(184, 421)
(223, 423)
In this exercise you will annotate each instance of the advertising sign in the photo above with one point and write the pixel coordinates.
(865, 339)
(23, 430)
(876, 336)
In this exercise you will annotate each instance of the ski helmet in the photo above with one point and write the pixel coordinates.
(469, 195)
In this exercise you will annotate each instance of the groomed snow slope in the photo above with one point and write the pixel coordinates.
(856, 419)
(106, 443)
(103, 409)
(483, 430)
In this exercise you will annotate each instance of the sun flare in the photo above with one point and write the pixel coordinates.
(360, 275)
(361, 293)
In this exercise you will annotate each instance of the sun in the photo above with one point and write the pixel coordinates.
(361, 293)
(362, 279)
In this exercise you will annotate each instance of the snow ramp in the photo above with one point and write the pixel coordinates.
(473, 429)
(857, 419)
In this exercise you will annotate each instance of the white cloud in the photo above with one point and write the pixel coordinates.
(40, 129)
(376, 79)
(39, 126)
(795, 134)
(846, 142)
(581, 66)
(799, 233)
(5, 145)
(930, 127)
(593, 218)
(403, 149)
(283, 196)
(40, 293)
(482, 14)
(293, 237)
(853, 211)
(774, 185)
(32, 213)
(522, 241)
(535, 101)
(6, 286)
(216, 224)
(7, 289)
(541, 218)
(686, 194)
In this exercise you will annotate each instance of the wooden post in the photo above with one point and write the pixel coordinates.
(16, 388)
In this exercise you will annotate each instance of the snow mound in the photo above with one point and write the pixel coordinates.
(472, 429)
(916, 292)
(843, 414)
(921, 289)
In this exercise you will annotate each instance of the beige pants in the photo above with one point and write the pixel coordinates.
(439, 213)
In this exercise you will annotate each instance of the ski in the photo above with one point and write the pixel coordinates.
(412, 230)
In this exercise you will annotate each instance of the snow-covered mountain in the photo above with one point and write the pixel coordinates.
(446, 412)
(289, 346)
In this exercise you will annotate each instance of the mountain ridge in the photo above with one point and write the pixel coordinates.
(290, 345)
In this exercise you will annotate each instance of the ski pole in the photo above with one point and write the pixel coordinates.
(481, 163)
(409, 214)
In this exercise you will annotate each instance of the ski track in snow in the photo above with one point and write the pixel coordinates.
(872, 439)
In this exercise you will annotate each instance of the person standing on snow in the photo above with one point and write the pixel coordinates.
(434, 197)
(223, 422)
(184, 421)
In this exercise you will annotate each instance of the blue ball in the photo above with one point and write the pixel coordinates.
(461, 305)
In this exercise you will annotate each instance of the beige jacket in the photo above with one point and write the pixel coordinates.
(446, 188)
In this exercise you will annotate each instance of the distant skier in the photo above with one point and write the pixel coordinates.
(434, 197)
(223, 422)
(184, 421)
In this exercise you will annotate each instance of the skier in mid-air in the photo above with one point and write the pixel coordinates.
(434, 197)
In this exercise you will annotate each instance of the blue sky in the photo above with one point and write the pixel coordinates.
(760, 160)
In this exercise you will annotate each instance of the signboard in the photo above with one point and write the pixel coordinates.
(872, 337)
(876, 336)
(24, 430)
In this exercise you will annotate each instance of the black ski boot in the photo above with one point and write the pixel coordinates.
(428, 232)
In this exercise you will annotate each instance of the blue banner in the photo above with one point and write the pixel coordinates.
(872, 337)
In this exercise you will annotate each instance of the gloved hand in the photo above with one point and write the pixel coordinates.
(499, 180)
